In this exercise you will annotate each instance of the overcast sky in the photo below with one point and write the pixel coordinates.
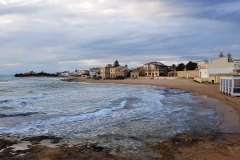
(59, 35)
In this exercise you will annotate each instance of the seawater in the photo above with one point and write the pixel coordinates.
(49, 106)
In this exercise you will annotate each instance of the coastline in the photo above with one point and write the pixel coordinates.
(222, 145)
(228, 107)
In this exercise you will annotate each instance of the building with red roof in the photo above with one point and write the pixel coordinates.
(155, 69)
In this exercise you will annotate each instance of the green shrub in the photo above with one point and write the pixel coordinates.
(97, 78)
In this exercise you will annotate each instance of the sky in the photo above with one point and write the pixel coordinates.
(65, 35)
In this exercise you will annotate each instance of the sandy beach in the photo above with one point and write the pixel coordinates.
(224, 145)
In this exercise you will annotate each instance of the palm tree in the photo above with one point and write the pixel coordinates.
(221, 55)
(229, 57)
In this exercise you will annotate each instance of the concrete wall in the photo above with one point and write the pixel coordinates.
(203, 73)
(169, 78)
(214, 79)
(200, 80)
(188, 74)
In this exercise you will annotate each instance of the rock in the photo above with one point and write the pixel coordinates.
(117, 148)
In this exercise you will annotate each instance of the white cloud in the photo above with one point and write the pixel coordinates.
(101, 1)
(11, 64)
(89, 62)
(83, 6)
(109, 11)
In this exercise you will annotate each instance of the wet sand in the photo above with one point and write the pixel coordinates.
(224, 145)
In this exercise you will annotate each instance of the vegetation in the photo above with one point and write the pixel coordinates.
(229, 57)
(221, 55)
(32, 74)
(173, 68)
(116, 63)
(180, 67)
(191, 65)
(117, 78)
(97, 78)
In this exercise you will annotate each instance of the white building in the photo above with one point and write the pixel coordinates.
(94, 72)
(80, 72)
(230, 85)
(65, 74)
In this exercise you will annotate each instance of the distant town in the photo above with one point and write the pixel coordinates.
(201, 71)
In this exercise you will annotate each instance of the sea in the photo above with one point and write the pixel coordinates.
(109, 114)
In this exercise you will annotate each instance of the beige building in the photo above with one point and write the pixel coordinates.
(221, 66)
(210, 71)
(154, 69)
(119, 71)
(105, 71)
(135, 73)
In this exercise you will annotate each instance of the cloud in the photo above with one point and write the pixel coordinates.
(11, 64)
(58, 35)
(109, 11)
(88, 62)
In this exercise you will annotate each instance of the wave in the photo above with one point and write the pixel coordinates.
(18, 114)
(83, 117)
(23, 98)
(5, 101)
(63, 120)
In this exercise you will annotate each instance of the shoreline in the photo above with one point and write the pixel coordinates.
(227, 107)
(189, 145)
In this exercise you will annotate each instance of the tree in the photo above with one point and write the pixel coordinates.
(116, 63)
(180, 67)
(229, 57)
(191, 65)
(221, 55)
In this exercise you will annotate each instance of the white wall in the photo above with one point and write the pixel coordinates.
(220, 70)
(203, 73)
